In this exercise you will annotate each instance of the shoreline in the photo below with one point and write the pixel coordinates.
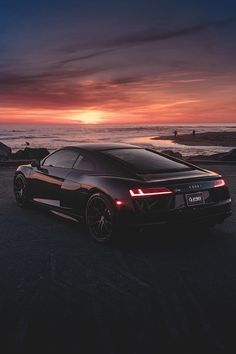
(217, 139)
(225, 139)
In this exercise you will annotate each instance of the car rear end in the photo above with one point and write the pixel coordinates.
(187, 201)
(169, 190)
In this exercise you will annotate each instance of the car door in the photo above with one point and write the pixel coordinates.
(77, 184)
(47, 180)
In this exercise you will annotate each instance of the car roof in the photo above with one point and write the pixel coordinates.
(102, 146)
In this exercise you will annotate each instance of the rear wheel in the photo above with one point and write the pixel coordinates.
(20, 190)
(100, 218)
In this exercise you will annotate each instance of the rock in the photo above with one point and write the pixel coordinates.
(178, 155)
(229, 156)
(30, 154)
(199, 157)
(221, 156)
(19, 155)
(5, 152)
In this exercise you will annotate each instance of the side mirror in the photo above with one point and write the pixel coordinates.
(36, 163)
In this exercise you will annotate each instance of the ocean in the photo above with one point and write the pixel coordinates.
(56, 136)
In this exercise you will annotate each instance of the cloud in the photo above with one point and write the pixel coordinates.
(69, 86)
(124, 80)
(58, 91)
(154, 35)
(48, 84)
(188, 81)
(140, 38)
(15, 79)
(86, 56)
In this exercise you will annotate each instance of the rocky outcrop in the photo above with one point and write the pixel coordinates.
(222, 156)
(178, 155)
(5, 152)
(30, 154)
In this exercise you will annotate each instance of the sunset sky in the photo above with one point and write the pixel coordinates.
(129, 61)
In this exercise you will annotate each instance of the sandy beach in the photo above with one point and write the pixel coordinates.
(203, 139)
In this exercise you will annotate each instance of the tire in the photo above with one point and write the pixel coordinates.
(100, 218)
(21, 191)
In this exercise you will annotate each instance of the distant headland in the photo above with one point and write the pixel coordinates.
(203, 139)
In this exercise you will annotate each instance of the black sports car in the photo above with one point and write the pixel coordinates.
(116, 185)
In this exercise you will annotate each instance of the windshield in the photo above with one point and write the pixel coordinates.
(146, 161)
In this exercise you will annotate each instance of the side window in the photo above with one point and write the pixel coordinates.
(84, 163)
(62, 158)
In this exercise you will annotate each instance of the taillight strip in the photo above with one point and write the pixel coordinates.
(219, 183)
(139, 192)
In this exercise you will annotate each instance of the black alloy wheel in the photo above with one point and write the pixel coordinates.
(20, 190)
(100, 218)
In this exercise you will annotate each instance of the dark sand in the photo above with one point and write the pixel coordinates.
(204, 139)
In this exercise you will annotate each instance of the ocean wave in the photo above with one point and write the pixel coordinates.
(18, 131)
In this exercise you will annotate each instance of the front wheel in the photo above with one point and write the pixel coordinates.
(20, 190)
(100, 218)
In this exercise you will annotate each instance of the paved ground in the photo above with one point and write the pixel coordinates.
(156, 293)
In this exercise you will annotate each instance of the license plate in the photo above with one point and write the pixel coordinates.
(195, 199)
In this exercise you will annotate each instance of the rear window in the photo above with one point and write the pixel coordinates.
(146, 161)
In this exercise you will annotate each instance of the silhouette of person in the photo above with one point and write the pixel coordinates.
(194, 132)
(175, 133)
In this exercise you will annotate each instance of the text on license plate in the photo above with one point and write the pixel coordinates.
(195, 198)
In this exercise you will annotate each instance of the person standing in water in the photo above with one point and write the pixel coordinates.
(175, 133)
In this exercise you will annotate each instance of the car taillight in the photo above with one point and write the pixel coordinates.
(219, 183)
(141, 192)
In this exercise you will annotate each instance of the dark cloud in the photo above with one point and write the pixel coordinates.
(140, 38)
(124, 80)
(86, 56)
(46, 77)
(154, 35)
(54, 89)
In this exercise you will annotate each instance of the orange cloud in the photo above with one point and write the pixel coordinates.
(188, 98)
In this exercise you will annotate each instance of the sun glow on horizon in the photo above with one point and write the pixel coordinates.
(91, 116)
